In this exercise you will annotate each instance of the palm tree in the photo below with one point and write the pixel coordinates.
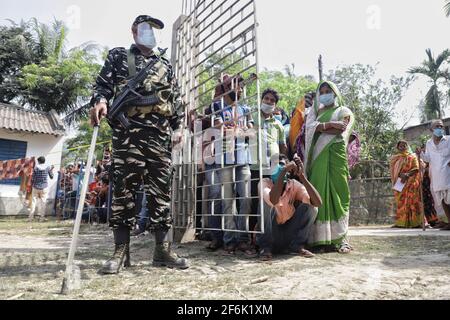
(447, 8)
(40, 73)
(60, 79)
(49, 39)
(433, 69)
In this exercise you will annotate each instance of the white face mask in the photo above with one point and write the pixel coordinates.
(145, 36)
(267, 108)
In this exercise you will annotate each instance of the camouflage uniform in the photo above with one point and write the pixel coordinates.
(142, 153)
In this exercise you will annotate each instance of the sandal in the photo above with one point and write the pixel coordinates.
(242, 246)
(306, 254)
(229, 250)
(247, 249)
(251, 253)
(302, 253)
(345, 248)
(265, 255)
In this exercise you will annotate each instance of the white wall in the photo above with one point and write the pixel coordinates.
(38, 145)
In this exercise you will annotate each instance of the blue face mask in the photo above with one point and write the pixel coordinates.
(278, 117)
(327, 99)
(277, 173)
(438, 132)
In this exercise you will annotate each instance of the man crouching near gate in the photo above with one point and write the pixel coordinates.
(142, 153)
(290, 210)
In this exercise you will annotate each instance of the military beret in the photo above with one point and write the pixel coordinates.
(155, 23)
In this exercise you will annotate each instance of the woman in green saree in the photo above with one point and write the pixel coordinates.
(328, 129)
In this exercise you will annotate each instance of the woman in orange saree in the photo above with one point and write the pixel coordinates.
(404, 171)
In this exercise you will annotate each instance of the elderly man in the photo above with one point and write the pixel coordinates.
(437, 154)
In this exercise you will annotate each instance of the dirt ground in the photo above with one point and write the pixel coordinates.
(386, 264)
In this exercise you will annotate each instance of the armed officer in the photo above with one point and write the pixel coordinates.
(141, 152)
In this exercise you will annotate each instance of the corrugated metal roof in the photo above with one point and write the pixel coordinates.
(16, 118)
(425, 125)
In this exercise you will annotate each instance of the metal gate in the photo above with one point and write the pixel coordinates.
(215, 43)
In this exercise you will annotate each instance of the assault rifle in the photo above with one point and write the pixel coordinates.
(129, 96)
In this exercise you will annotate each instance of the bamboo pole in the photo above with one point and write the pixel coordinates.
(422, 207)
(66, 285)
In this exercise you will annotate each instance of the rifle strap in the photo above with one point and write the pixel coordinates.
(131, 64)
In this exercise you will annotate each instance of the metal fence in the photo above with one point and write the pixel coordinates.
(213, 39)
(372, 198)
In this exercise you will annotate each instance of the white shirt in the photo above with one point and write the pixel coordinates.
(438, 156)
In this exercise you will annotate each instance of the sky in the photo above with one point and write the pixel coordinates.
(394, 34)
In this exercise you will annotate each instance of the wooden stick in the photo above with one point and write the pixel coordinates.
(66, 285)
(422, 206)
(320, 69)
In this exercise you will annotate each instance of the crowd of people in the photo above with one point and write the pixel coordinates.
(305, 161)
(421, 181)
(98, 195)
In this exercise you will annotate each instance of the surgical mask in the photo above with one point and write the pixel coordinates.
(267, 108)
(327, 99)
(145, 36)
(278, 117)
(276, 174)
(438, 132)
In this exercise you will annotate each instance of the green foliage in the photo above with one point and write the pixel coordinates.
(60, 84)
(290, 86)
(83, 139)
(420, 141)
(37, 71)
(16, 51)
(439, 77)
(373, 101)
(49, 40)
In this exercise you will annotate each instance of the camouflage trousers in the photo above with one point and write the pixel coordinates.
(141, 156)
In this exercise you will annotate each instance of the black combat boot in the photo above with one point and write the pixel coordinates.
(163, 256)
(121, 256)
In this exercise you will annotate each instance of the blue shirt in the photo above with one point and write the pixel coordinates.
(238, 152)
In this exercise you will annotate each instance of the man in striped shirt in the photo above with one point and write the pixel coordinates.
(40, 185)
